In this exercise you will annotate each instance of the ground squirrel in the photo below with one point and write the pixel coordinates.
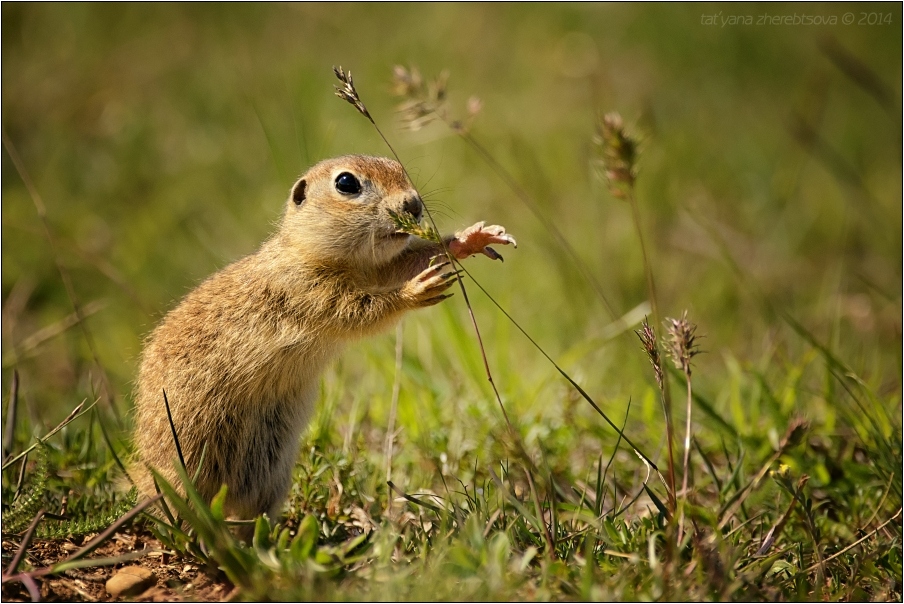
(240, 356)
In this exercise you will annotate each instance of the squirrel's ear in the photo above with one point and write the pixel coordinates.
(298, 192)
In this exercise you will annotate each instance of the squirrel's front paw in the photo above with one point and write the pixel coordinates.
(476, 240)
(427, 288)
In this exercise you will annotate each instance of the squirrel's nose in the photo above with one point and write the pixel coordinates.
(415, 207)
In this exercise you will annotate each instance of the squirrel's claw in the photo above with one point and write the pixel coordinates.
(492, 254)
(476, 239)
(427, 288)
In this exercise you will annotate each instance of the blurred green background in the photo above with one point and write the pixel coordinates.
(163, 140)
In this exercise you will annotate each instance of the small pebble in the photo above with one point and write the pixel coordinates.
(130, 581)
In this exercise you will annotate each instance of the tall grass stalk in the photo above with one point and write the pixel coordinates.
(682, 347)
(349, 93)
(73, 415)
(393, 406)
(619, 156)
(646, 459)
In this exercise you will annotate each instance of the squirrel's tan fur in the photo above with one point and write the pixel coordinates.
(240, 356)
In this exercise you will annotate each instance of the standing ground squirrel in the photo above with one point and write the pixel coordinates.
(239, 358)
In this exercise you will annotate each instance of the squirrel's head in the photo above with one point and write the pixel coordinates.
(340, 210)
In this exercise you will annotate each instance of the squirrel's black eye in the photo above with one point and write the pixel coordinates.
(348, 184)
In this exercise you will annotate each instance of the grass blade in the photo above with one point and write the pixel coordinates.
(169, 416)
(73, 415)
(9, 431)
(23, 546)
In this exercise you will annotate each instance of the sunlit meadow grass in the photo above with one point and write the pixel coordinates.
(750, 177)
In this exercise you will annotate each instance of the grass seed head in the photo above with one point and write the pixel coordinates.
(348, 93)
(619, 154)
(648, 339)
(425, 100)
(405, 223)
(682, 345)
(794, 434)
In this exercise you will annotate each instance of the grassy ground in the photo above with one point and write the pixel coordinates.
(160, 142)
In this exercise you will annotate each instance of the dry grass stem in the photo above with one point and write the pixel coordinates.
(28, 345)
(777, 528)
(792, 437)
(682, 347)
(647, 461)
(618, 155)
(396, 389)
(856, 543)
(23, 545)
(348, 93)
(41, 210)
(73, 415)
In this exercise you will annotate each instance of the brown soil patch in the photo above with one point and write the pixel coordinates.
(178, 579)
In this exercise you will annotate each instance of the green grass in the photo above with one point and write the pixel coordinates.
(163, 140)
